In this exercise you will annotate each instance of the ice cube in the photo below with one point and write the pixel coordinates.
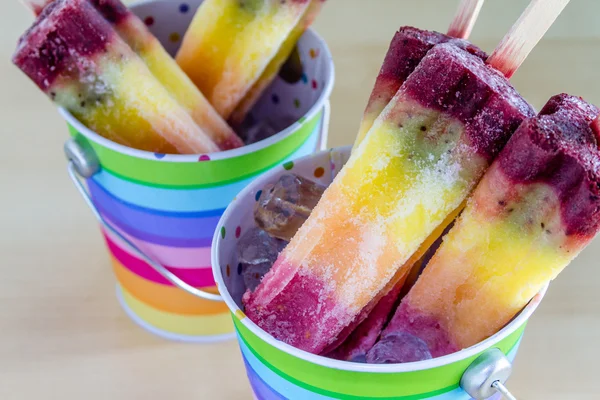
(256, 253)
(283, 207)
(398, 348)
(254, 130)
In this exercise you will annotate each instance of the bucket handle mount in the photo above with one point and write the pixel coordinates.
(487, 375)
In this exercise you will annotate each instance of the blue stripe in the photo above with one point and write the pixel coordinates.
(187, 200)
(261, 390)
(156, 239)
(168, 227)
(96, 188)
(174, 200)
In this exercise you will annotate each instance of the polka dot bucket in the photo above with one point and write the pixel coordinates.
(276, 370)
(167, 206)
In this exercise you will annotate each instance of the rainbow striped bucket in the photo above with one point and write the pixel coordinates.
(276, 370)
(163, 209)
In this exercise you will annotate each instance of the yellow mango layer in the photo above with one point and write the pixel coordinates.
(500, 253)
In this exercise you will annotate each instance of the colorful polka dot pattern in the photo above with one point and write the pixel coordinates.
(184, 8)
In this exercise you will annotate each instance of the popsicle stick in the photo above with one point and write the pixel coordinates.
(36, 5)
(525, 34)
(465, 18)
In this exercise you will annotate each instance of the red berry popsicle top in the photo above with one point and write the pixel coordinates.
(66, 31)
(455, 82)
(410, 45)
(560, 148)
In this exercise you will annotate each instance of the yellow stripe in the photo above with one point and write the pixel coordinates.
(207, 325)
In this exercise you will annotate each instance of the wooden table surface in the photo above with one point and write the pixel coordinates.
(62, 333)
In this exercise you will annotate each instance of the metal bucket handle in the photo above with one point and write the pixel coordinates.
(83, 163)
(487, 375)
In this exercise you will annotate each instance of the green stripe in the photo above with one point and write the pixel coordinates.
(338, 395)
(351, 384)
(188, 175)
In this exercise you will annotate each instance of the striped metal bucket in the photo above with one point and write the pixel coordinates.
(277, 371)
(164, 208)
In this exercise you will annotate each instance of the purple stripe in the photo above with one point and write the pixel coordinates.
(178, 214)
(161, 240)
(261, 390)
(153, 224)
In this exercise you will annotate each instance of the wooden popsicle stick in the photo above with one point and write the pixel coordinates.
(465, 18)
(36, 5)
(525, 34)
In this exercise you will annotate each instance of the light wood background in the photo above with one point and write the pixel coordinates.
(62, 334)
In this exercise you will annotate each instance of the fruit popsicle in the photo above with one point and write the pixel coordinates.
(270, 72)
(534, 211)
(80, 62)
(231, 42)
(398, 191)
(135, 33)
(407, 48)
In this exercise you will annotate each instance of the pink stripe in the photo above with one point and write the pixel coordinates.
(201, 277)
(182, 257)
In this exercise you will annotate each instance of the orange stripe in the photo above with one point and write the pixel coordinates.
(166, 298)
(189, 325)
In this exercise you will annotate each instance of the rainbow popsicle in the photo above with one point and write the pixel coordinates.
(400, 188)
(77, 59)
(534, 211)
(135, 33)
(230, 43)
(408, 47)
(269, 74)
